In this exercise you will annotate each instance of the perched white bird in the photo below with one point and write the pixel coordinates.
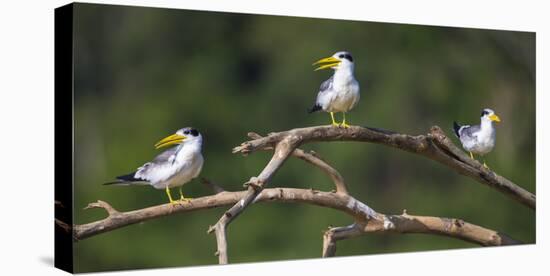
(172, 168)
(479, 139)
(340, 93)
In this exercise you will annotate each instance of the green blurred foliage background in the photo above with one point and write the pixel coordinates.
(142, 73)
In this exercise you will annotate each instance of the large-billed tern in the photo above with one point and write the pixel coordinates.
(479, 139)
(340, 93)
(173, 167)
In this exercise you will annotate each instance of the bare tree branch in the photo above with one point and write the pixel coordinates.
(283, 149)
(64, 226)
(435, 145)
(369, 220)
(314, 159)
(213, 186)
(338, 233)
(450, 227)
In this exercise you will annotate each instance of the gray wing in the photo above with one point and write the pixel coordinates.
(140, 176)
(325, 87)
(165, 157)
(467, 133)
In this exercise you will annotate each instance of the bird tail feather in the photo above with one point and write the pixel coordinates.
(456, 128)
(126, 180)
(118, 183)
(315, 108)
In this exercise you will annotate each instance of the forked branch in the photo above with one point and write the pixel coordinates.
(314, 159)
(435, 145)
(405, 223)
(283, 149)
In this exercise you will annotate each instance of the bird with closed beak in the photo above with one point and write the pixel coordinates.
(478, 139)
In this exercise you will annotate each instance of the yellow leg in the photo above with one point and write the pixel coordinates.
(344, 122)
(334, 123)
(182, 198)
(170, 196)
(471, 155)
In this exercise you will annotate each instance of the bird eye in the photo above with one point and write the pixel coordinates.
(186, 132)
(484, 112)
(341, 56)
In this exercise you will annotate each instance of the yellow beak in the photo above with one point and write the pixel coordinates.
(495, 118)
(170, 140)
(326, 63)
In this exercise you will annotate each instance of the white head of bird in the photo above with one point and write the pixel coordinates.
(488, 118)
(188, 137)
(340, 61)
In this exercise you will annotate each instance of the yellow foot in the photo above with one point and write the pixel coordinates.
(335, 124)
(174, 202)
(185, 199)
(485, 165)
(345, 125)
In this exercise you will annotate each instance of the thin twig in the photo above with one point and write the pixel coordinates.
(213, 186)
(314, 159)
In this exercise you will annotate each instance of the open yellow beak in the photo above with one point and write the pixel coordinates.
(326, 63)
(495, 118)
(170, 140)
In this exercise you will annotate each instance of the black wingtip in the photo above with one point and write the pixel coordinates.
(128, 177)
(456, 128)
(124, 179)
(315, 108)
(113, 182)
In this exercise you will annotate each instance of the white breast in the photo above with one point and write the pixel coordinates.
(484, 142)
(342, 96)
(345, 96)
(177, 173)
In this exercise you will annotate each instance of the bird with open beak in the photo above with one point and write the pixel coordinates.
(340, 93)
(173, 167)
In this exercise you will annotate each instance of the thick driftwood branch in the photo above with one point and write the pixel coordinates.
(368, 220)
(435, 145)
